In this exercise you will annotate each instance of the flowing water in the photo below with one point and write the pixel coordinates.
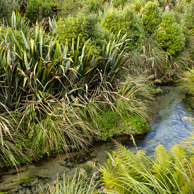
(169, 126)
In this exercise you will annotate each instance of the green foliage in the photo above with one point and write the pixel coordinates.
(135, 93)
(77, 185)
(166, 172)
(37, 10)
(118, 3)
(170, 35)
(109, 123)
(186, 83)
(71, 7)
(189, 17)
(139, 124)
(84, 26)
(6, 8)
(93, 6)
(138, 4)
(32, 11)
(61, 130)
(128, 23)
(151, 17)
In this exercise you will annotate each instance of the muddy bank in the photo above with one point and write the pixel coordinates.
(32, 178)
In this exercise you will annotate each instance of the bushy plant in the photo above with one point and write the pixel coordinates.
(6, 8)
(170, 35)
(128, 23)
(118, 3)
(32, 11)
(186, 83)
(93, 6)
(84, 26)
(138, 4)
(71, 7)
(37, 10)
(151, 17)
(189, 17)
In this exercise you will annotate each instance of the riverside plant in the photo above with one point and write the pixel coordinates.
(164, 172)
(77, 185)
(37, 73)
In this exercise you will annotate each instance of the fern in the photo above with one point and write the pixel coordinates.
(165, 172)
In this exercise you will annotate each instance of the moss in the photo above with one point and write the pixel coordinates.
(139, 124)
(25, 178)
(87, 168)
(111, 123)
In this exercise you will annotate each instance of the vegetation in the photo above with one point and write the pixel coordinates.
(186, 83)
(164, 172)
(170, 35)
(77, 185)
(74, 72)
(151, 17)
(128, 23)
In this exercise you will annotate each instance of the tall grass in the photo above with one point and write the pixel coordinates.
(77, 185)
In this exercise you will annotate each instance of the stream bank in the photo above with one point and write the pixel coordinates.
(169, 127)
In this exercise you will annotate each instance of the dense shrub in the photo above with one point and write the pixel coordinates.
(170, 35)
(86, 27)
(94, 5)
(37, 10)
(71, 7)
(189, 17)
(128, 23)
(6, 8)
(118, 3)
(138, 4)
(151, 17)
(187, 83)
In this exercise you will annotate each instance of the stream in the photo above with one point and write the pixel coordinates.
(169, 126)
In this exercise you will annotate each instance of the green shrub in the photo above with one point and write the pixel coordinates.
(189, 17)
(170, 35)
(86, 27)
(118, 3)
(6, 8)
(37, 10)
(32, 11)
(137, 5)
(71, 7)
(128, 23)
(151, 17)
(187, 83)
(93, 6)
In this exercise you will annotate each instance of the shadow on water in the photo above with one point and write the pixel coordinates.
(170, 125)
